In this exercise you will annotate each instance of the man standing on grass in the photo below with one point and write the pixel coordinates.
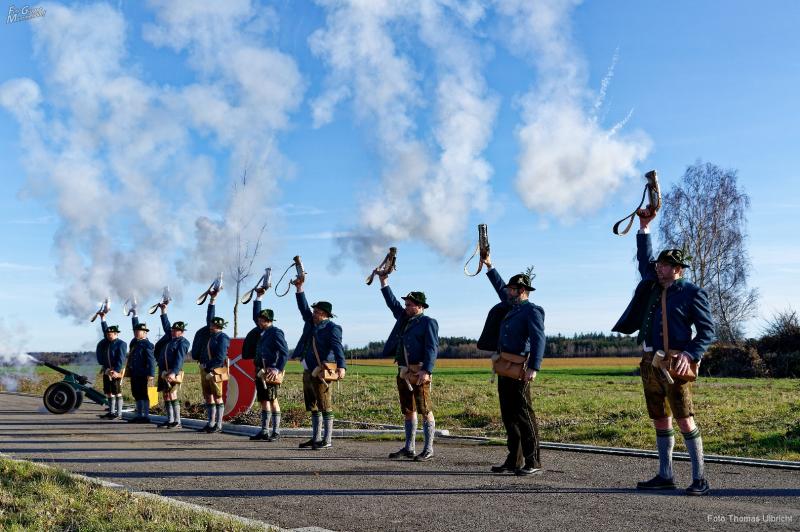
(687, 305)
(414, 344)
(272, 353)
(111, 354)
(212, 365)
(519, 330)
(321, 340)
(142, 369)
(170, 354)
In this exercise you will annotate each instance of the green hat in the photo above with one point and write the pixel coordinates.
(418, 298)
(267, 314)
(180, 326)
(219, 322)
(325, 307)
(112, 328)
(521, 280)
(677, 257)
(141, 326)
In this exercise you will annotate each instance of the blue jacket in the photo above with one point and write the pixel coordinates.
(111, 355)
(171, 358)
(141, 357)
(522, 328)
(421, 339)
(271, 350)
(218, 344)
(328, 337)
(687, 305)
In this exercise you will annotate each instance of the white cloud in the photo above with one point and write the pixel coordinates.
(568, 161)
(113, 154)
(430, 184)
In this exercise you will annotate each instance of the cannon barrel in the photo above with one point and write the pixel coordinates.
(80, 378)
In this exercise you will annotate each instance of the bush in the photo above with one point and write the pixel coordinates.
(784, 365)
(732, 360)
(782, 334)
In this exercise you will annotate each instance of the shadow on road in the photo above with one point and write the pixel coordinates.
(511, 490)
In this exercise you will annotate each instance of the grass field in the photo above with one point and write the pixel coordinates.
(585, 400)
(33, 497)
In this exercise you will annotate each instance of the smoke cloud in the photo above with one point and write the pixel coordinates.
(568, 161)
(430, 184)
(15, 363)
(121, 159)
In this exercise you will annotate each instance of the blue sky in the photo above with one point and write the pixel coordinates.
(124, 125)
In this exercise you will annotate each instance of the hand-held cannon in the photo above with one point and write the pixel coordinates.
(386, 267)
(62, 397)
(299, 271)
(651, 195)
(481, 250)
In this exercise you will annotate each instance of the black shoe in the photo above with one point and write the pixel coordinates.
(527, 470)
(504, 467)
(215, 429)
(275, 436)
(307, 444)
(163, 424)
(402, 453)
(175, 425)
(699, 487)
(656, 483)
(205, 428)
(424, 456)
(117, 417)
(322, 444)
(108, 415)
(262, 435)
(144, 420)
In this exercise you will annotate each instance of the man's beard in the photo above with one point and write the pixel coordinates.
(515, 300)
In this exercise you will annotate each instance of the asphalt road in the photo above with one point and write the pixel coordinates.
(355, 487)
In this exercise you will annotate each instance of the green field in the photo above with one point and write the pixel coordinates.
(34, 497)
(591, 400)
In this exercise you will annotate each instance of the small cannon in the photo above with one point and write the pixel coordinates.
(62, 397)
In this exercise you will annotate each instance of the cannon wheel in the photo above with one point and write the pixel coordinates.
(60, 398)
(78, 400)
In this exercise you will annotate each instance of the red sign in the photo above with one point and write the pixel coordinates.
(240, 390)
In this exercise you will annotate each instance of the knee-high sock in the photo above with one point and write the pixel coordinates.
(138, 408)
(146, 408)
(119, 405)
(428, 430)
(410, 426)
(276, 422)
(316, 422)
(211, 412)
(220, 413)
(169, 411)
(327, 418)
(665, 441)
(176, 408)
(265, 418)
(694, 446)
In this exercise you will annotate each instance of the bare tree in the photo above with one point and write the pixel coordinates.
(244, 254)
(705, 214)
